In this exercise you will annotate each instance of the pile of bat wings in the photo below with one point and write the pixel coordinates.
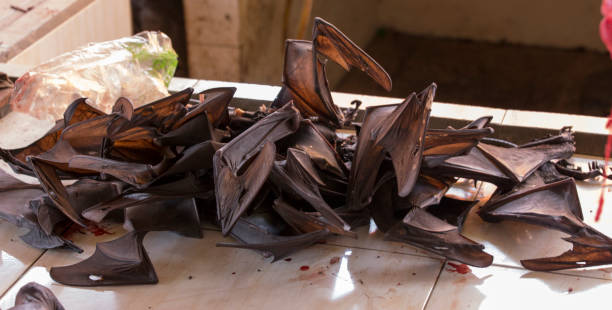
(280, 179)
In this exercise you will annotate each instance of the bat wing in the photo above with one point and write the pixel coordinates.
(121, 261)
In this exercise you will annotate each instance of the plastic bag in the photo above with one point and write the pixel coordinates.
(139, 67)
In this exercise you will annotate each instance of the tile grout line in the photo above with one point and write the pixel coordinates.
(504, 117)
(435, 284)
(332, 244)
(22, 274)
(557, 272)
(379, 250)
(356, 247)
(26, 270)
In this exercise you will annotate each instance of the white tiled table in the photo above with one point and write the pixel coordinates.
(370, 274)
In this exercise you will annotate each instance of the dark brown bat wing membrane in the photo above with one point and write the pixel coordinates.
(421, 229)
(427, 191)
(398, 130)
(435, 228)
(215, 104)
(118, 262)
(78, 111)
(235, 193)
(179, 215)
(272, 128)
(304, 76)
(33, 296)
(162, 113)
(453, 142)
(254, 237)
(332, 43)
(300, 84)
(15, 208)
(51, 183)
(281, 179)
(554, 205)
(403, 137)
(307, 223)
(310, 140)
(135, 174)
(479, 123)
(521, 162)
(474, 165)
(295, 179)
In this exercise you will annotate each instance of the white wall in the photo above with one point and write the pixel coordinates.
(102, 20)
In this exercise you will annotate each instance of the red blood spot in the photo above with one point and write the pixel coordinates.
(569, 290)
(398, 283)
(234, 272)
(97, 230)
(288, 259)
(459, 268)
(72, 229)
(304, 268)
(91, 227)
(334, 260)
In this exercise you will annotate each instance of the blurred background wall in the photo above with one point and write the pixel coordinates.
(552, 23)
(521, 54)
(249, 33)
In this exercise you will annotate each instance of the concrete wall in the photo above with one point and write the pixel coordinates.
(242, 40)
(555, 23)
(213, 43)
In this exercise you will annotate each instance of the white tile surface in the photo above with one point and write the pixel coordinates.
(15, 256)
(499, 288)
(510, 241)
(360, 279)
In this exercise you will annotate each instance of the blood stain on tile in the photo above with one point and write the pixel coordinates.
(459, 268)
(334, 260)
(304, 268)
(72, 229)
(97, 230)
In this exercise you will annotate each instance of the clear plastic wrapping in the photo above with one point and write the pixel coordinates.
(139, 67)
